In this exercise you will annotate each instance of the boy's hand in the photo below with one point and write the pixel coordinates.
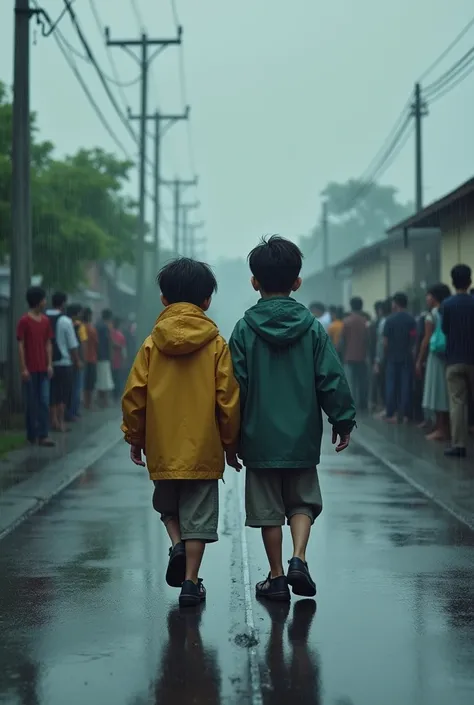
(136, 456)
(232, 459)
(344, 440)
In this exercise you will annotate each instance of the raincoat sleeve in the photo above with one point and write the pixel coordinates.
(239, 362)
(227, 399)
(134, 400)
(332, 389)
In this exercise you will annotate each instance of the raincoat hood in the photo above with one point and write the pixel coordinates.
(182, 329)
(280, 321)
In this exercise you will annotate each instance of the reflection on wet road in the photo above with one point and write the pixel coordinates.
(86, 616)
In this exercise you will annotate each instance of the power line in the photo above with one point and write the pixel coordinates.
(99, 71)
(453, 84)
(451, 73)
(138, 14)
(113, 65)
(90, 98)
(184, 92)
(446, 51)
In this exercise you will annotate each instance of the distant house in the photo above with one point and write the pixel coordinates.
(452, 219)
(394, 263)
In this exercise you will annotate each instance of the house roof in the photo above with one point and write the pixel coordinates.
(430, 216)
(371, 252)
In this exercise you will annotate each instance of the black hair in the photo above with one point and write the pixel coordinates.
(59, 299)
(461, 276)
(339, 313)
(400, 299)
(439, 292)
(87, 315)
(107, 314)
(357, 304)
(185, 280)
(35, 295)
(386, 307)
(317, 306)
(73, 310)
(378, 306)
(276, 264)
(333, 309)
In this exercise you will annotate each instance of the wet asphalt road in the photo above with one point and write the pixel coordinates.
(87, 619)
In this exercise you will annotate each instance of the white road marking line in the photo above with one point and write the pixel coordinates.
(255, 683)
(420, 488)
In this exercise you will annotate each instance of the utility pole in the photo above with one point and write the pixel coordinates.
(192, 227)
(325, 233)
(21, 240)
(144, 61)
(158, 119)
(418, 111)
(178, 185)
(186, 208)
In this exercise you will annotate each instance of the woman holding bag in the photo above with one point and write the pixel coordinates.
(433, 346)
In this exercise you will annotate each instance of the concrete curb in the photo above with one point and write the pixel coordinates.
(394, 466)
(20, 502)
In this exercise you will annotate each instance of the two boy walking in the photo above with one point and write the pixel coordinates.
(190, 400)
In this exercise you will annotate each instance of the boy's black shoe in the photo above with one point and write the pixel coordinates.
(300, 579)
(192, 594)
(176, 566)
(274, 589)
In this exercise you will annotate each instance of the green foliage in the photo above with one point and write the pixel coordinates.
(79, 212)
(355, 221)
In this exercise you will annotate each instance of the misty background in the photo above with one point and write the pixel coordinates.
(285, 98)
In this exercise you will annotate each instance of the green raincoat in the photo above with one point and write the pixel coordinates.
(288, 371)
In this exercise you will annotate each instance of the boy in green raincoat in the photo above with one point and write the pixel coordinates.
(288, 372)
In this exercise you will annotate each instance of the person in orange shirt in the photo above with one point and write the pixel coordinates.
(336, 326)
(181, 406)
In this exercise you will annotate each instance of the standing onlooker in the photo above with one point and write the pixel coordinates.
(90, 374)
(35, 350)
(399, 342)
(379, 362)
(354, 343)
(74, 311)
(433, 350)
(131, 338)
(119, 356)
(65, 356)
(458, 326)
(319, 312)
(104, 384)
(372, 347)
(336, 326)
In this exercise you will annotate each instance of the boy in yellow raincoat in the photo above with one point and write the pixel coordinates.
(181, 408)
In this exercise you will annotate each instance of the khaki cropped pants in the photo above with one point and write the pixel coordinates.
(460, 380)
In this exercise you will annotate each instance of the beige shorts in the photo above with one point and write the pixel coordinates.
(194, 502)
(273, 495)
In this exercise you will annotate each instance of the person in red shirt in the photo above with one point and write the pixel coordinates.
(34, 335)
(119, 354)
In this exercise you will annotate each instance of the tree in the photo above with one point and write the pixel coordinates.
(359, 214)
(79, 211)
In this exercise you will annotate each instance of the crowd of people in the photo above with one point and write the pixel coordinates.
(68, 362)
(408, 368)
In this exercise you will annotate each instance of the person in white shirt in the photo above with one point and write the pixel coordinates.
(65, 355)
(321, 314)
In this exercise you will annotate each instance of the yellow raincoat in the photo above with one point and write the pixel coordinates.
(181, 402)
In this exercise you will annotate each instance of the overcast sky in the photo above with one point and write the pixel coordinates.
(285, 96)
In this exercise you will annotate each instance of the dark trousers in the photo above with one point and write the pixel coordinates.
(119, 383)
(36, 392)
(399, 388)
(358, 382)
(76, 397)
